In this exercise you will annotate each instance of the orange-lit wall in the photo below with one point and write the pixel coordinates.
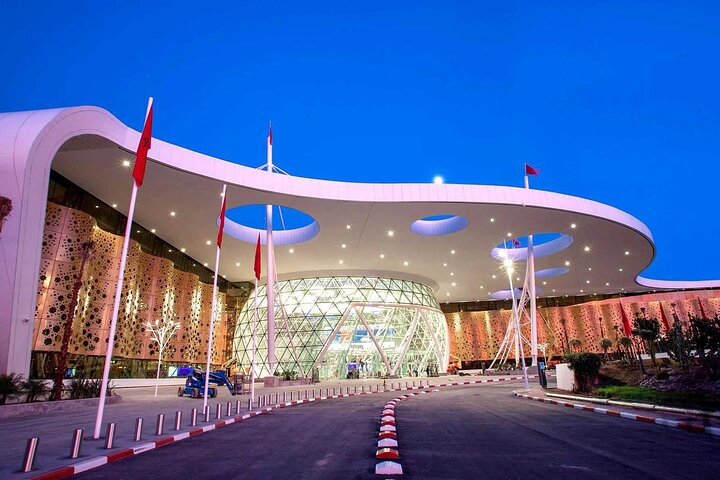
(478, 335)
(153, 289)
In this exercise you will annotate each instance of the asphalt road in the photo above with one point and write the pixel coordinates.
(475, 432)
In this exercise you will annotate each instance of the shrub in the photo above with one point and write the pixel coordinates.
(586, 367)
(34, 389)
(10, 385)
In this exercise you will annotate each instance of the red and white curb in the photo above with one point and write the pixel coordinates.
(387, 445)
(85, 465)
(666, 422)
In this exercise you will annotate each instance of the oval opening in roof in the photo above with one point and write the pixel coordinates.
(438, 225)
(289, 225)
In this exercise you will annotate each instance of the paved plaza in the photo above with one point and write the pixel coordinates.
(454, 431)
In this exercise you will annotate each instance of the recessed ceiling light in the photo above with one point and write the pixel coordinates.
(292, 250)
(494, 276)
(482, 288)
(138, 231)
(390, 233)
(237, 264)
(437, 180)
(572, 225)
(172, 214)
(126, 163)
(444, 264)
(452, 274)
(589, 269)
(452, 252)
(194, 265)
(114, 205)
(607, 284)
(567, 263)
(340, 262)
(208, 242)
(382, 255)
(405, 263)
(627, 252)
(553, 289)
(170, 250)
(517, 278)
(453, 284)
(152, 230)
(582, 291)
(205, 264)
(620, 269)
(492, 219)
(447, 294)
(544, 283)
(182, 250)
(587, 248)
(587, 281)
(343, 245)
(97, 206)
(347, 226)
(509, 234)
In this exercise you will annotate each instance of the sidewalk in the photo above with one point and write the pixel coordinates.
(55, 429)
(684, 421)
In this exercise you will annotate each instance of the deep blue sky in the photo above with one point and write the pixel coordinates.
(616, 101)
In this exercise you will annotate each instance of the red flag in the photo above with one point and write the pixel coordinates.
(270, 135)
(531, 171)
(143, 147)
(625, 321)
(664, 319)
(222, 222)
(257, 259)
(515, 242)
(702, 309)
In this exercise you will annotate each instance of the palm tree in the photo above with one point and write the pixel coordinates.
(575, 343)
(86, 252)
(5, 209)
(605, 344)
(33, 389)
(9, 386)
(626, 344)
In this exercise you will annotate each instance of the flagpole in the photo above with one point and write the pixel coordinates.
(116, 303)
(533, 292)
(270, 270)
(212, 306)
(254, 346)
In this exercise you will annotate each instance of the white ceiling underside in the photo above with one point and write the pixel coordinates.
(371, 210)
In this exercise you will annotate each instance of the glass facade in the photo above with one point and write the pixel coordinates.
(346, 327)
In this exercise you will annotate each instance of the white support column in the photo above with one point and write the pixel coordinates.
(270, 273)
(533, 301)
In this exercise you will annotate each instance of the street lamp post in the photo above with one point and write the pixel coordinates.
(161, 333)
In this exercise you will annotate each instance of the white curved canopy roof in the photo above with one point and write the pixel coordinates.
(92, 145)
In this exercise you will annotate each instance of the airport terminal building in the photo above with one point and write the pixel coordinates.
(378, 279)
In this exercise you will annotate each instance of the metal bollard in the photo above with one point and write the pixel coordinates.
(249, 402)
(413, 383)
(355, 388)
(333, 391)
(237, 407)
(138, 429)
(160, 424)
(218, 411)
(362, 389)
(305, 395)
(110, 435)
(193, 417)
(229, 409)
(207, 413)
(76, 443)
(406, 383)
(313, 393)
(178, 420)
(291, 396)
(29, 459)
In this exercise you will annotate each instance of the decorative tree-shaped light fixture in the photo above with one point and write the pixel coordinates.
(161, 332)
